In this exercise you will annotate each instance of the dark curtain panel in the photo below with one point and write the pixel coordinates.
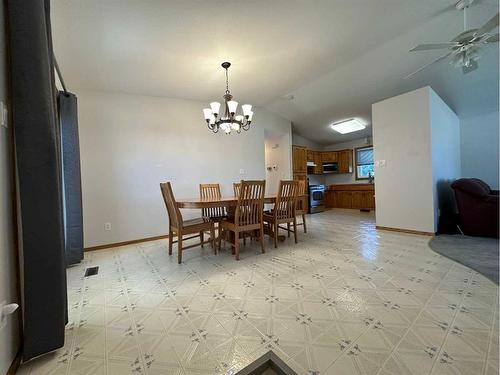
(72, 186)
(43, 274)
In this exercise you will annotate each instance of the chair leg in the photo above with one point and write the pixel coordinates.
(201, 238)
(288, 229)
(262, 237)
(244, 239)
(237, 245)
(212, 238)
(294, 229)
(179, 248)
(304, 223)
(219, 238)
(170, 241)
(276, 235)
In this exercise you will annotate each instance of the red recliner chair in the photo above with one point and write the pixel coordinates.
(477, 207)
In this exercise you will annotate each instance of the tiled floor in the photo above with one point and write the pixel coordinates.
(346, 300)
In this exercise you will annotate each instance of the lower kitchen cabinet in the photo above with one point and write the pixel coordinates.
(356, 196)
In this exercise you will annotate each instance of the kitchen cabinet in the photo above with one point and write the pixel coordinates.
(329, 156)
(310, 155)
(318, 169)
(299, 159)
(356, 196)
(345, 161)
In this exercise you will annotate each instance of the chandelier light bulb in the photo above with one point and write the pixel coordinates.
(239, 118)
(215, 108)
(212, 120)
(207, 112)
(232, 105)
(250, 116)
(247, 108)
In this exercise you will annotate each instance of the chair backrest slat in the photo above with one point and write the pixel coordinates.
(250, 206)
(174, 214)
(211, 192)
(236, 189)
(301, 204)
(286, 200)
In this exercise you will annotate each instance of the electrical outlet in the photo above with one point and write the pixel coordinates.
(242, 171)
(107, 226)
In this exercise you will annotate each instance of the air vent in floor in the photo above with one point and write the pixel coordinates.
(91, 271)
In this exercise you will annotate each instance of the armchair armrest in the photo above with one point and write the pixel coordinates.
(494, 192)
(491, 199)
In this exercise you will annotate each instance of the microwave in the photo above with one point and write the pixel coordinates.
(330, 167)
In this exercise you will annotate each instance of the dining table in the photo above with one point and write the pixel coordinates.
(230, 204)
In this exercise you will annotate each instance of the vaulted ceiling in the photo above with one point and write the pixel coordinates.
(314, 62)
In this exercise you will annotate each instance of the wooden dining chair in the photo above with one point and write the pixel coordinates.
(212, 192)
(284, 210)
(301, 207)
(179, 227)
(248, 215)
(236, 189)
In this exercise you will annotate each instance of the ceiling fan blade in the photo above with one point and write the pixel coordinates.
(492, 39)
(473, 65)
(428, 64)
(488, 26)
(426, 47)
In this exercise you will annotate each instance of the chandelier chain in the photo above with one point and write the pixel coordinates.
(227, 82)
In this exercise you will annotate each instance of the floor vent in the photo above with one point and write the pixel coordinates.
(268, 364)
(91, 271)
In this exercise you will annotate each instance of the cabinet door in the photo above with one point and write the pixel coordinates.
(343, 199)
(329, 156)
(369, 200)
(318, 169)
(345, 161)
(299, 158)
(329, 199)
(358, 198)
(310, 155)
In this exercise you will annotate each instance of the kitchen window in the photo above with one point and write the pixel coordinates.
(364, 163)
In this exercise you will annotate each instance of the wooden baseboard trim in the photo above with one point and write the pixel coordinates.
(131, 242)
(409, 231)
(16, 363)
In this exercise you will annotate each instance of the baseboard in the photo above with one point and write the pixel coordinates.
(131, 242)
(16, 363)
(409, 231)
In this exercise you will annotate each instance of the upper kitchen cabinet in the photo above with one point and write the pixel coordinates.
(329, 156)
(299, 159)
(344, 161)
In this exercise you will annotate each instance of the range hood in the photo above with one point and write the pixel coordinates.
(311, 164)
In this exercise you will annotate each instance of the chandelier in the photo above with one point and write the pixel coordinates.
(228, 121)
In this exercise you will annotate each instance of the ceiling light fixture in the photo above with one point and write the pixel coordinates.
(229, 121)
(348, 126)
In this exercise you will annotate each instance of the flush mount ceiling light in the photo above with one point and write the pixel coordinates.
(348, 126)
(228, 121)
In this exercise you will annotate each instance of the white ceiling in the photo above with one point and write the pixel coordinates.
(336, 57)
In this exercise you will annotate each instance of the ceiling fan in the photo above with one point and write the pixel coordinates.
(465, 49)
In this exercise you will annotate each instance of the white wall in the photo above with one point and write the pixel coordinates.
(346, 178)
(277, 159)
(402, 137)
(479, 136)
(445, 141)
(129, 144)
(9, 336)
